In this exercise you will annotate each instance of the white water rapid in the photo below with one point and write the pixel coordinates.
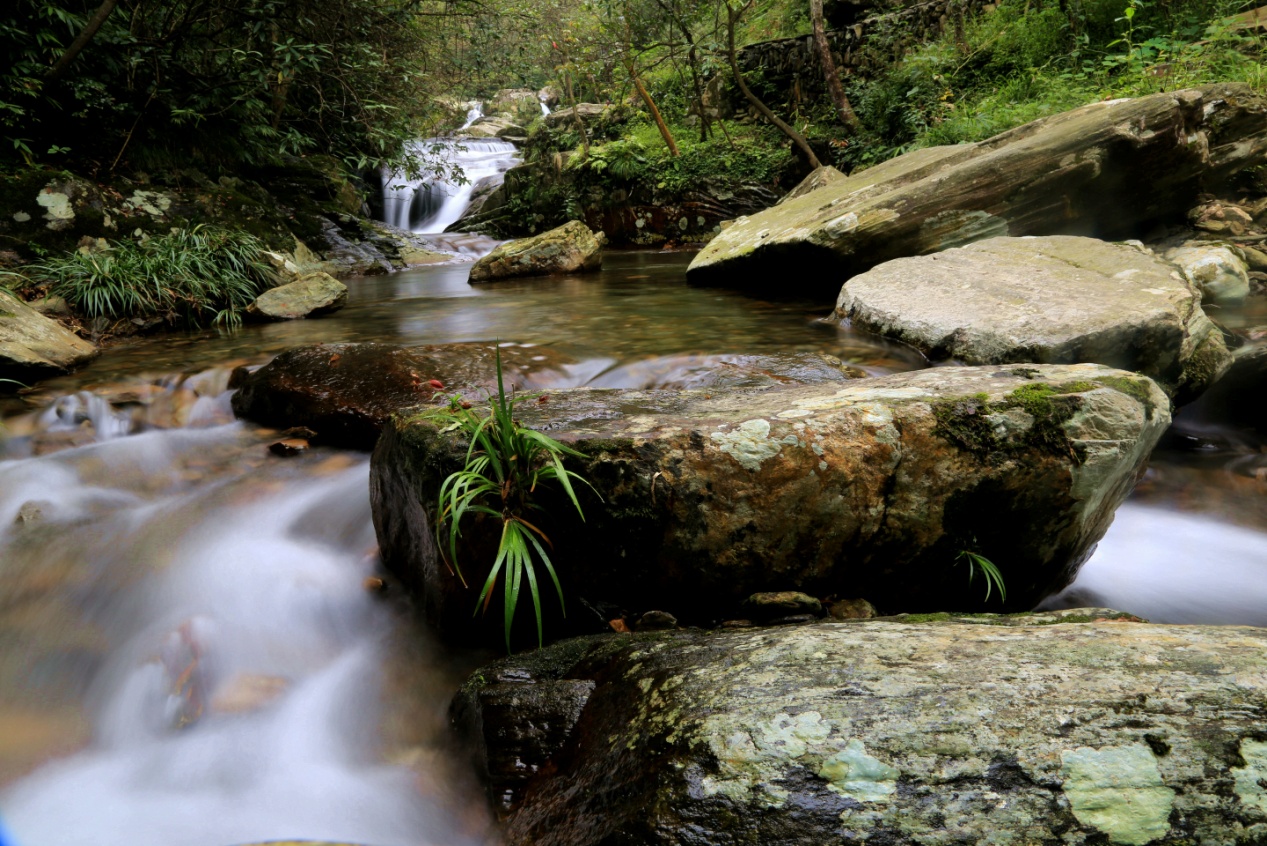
(197, 642)
(1171, 567)
(430, 206)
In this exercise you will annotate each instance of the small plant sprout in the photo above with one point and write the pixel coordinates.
(504, 464)
(984, 566)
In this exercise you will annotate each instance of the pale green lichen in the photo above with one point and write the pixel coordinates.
(58, 208)
(1118, 790)
(1251, 779)
(749, 444)
(857, 775)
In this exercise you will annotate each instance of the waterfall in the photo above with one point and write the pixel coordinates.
(429, 205)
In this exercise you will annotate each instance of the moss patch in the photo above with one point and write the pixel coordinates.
(1136, 388)
(966, 421)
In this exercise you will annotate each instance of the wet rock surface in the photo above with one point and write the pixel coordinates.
(868, 489)
(1067, 727)
(345, 392)
(1108, 168)
(1055, 299)
(311, 295)
(570, 248)
(33, 346)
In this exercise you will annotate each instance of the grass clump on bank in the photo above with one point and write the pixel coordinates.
(188, 277)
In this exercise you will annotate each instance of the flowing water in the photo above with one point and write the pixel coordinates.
(190, 652)
(430, 205)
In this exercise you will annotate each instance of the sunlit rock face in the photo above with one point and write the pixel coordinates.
(1051, 299)
(872, 488)
(1086, 728)
(1105, 169)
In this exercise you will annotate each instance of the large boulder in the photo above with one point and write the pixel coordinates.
(311, 295)
(33, 346)
(570, 248)
(872, 488)
(346, 392)
(1056, 300)
(1079, 728)
(1106, 169)
(587, 113)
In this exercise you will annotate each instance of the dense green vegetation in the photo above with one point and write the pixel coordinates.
(214, 84)
(189, 277)
(1025, 60)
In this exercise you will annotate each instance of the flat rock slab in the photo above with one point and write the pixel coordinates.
(873, 732)
(311, 295)
(872, 488)
(1105, 169)
(346, 392)
(570, 248)
(33, 346)
(1055, 300)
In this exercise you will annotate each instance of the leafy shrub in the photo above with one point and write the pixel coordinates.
(182, 277)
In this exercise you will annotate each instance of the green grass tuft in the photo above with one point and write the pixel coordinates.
(504, 464)
(184, 277)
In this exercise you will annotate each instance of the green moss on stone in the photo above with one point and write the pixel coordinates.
(1136, 387)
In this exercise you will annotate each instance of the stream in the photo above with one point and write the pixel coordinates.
(192, 647)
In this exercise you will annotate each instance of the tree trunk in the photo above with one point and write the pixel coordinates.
(76, 47)
(834, 88)
(732, 17)
(651, 106)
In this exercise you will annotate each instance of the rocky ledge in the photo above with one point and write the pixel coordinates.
(1108, 168)
(873, 489)
(1078, 728)
(1055, 299)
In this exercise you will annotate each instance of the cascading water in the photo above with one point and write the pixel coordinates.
(429, 206)
(193, 622)
(1171, 567)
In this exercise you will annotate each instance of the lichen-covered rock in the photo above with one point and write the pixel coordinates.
(345, 392)
(1109, 168)
(1216, 269)
(33, 346)
(570, 248)
(311, 295)
(1052, 730)
(1055, 299)
(871, 488)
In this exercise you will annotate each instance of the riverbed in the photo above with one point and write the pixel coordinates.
(194, 644)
